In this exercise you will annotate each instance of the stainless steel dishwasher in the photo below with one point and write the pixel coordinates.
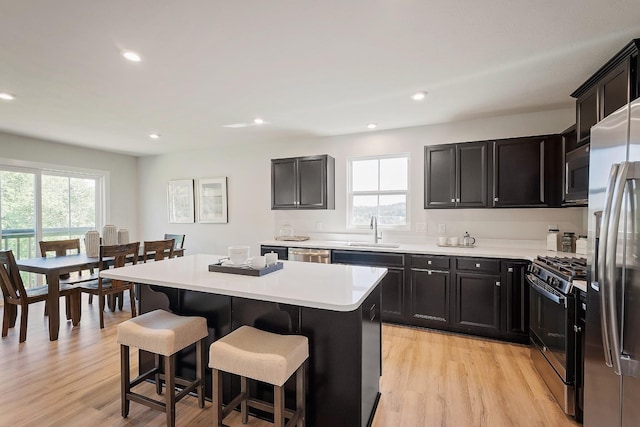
(322, 256)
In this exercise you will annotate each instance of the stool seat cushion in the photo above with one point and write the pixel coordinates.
(162, 332)
(260, 355)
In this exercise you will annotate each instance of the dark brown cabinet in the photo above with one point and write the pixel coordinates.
(472, 295)
(283, 253)
(517, 297)
(429, 297)
(615, 84)
(456, 175)
(478, 295)
(526, 171)
(393, 283)
(303, 183)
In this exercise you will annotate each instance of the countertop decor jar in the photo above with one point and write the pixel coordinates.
(568, 242)
(581, 245)
(553, 239)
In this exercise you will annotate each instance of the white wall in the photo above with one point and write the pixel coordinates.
(248, 172)
(122, 206)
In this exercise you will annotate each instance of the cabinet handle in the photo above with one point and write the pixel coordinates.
(453, 200)
(458, 200)
(510, 270)
(498, 284)
(478, 265)
(577, 329)
(496, 199)
(372, 312)
(429, 262)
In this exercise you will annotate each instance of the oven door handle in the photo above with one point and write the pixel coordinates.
(545, 293)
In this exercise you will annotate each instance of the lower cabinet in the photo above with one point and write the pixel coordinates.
(393, 283)
(478, 303)
(429, 296)
(479, 296)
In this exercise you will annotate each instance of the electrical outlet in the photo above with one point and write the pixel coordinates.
(552, 227)
(442, 228)
(318, 226)
(421, 227)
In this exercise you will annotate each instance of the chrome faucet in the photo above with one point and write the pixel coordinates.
(374, 227)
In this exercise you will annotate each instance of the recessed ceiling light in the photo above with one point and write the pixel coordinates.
(7, 96)
(372, 125)
(131, 56)
(154, 135)
(418, 96)
(258, 121)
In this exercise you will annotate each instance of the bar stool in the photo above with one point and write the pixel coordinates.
(163, 334)
(263, 356)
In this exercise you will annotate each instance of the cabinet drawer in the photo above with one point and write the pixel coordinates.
(478, 264)
(430, 262)
(384, 259)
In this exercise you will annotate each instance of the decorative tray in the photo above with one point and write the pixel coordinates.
(455, 246)
(292, 238)
(245, 269)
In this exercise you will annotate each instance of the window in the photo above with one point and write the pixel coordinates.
(379, 186)
(40, 203)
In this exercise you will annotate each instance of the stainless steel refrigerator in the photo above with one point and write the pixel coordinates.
(612, 344)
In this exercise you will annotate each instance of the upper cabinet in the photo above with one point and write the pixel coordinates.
(456, 175)
(615, 84)
(526, 171)
(303, 183)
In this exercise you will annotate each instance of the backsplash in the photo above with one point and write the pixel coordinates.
(487, 224)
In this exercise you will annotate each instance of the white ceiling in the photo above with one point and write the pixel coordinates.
(309, 68)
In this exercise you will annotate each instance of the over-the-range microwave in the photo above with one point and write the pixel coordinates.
(576, 176)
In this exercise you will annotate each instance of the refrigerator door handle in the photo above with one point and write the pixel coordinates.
(610, 275)
(602, 258)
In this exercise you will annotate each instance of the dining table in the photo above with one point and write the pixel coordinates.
(52, 268)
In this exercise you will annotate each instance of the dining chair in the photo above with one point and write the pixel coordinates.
(15, 295)
(178, 240)
(64, 248)
(116, 256)
(157, 250)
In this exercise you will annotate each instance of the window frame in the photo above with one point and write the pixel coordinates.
(351, 193)
(101, 178)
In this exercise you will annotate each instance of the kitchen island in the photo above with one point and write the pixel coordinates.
(336, 306)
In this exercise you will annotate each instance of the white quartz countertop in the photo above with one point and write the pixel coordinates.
(324, 286)
(508, 251)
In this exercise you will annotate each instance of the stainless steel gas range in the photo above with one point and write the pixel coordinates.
(554, 329)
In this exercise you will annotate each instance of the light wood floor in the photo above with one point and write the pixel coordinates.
(429, 379)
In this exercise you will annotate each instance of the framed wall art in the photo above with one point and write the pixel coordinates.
(212, 200)
(180, 204)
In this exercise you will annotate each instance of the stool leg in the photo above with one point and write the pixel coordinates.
(243, 404)
(170, 392)
(200, 356)
(300, 395)
(125, 379)
(278, 406)
(157, 376)
(217, 398)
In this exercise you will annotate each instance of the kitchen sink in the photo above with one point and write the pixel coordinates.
(372, 245)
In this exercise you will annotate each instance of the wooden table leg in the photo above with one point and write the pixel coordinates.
(53, 281)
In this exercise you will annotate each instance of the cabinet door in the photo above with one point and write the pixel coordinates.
(586, 114)
(430, 297)
(614, 90)
(392, 286)
(284, 187)
(477, 305)
(472, 174)
(517, 297)
(312, 175)
(440, 176)
(519, 171)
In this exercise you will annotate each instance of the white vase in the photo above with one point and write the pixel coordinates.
(92, 243)
(123, 236)
(109, 235)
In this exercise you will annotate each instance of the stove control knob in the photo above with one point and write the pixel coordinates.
(555, 282)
